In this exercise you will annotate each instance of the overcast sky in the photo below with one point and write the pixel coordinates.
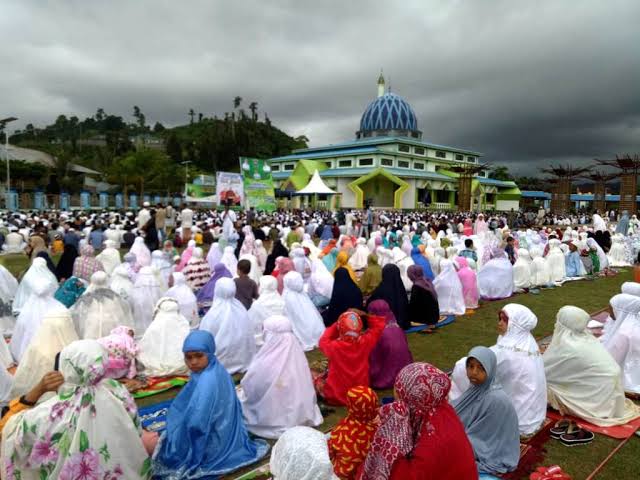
(526, 83)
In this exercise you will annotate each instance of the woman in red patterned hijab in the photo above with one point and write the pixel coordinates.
(350, 440)
(420, 436)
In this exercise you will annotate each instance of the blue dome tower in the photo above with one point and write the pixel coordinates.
(389, 115)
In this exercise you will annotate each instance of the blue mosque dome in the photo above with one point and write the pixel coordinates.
(388, 115)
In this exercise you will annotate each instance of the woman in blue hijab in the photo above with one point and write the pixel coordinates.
(330, 259)
(488, 416)
(70, 291)
(419, 259)
(206, 435)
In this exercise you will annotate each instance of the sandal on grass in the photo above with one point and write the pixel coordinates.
(560, 428)
(576, 436)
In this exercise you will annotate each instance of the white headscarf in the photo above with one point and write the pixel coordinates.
(556, 261)
(261, 255)
(599, 223)
(39, 302)
(277, 390)
(163, 267)
(160, 349)
(301, 453)
(522, 270)
(146, 293)
(540, 273)
(227, 320)
(582, 377)
(94, 417)
(38, 276)
(100, 310)
(185, 297)
(109, 257)
(622, 338)
(141, 251)
(321, 281)
(121, 283)
(214, 255)
(55, 332)
(306, 321)
(268, 304)
(358, 260)
(495, 278)
(632, 288)
(230, 261)
(449, 290)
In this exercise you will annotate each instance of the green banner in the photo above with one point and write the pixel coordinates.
(258, 184)
(200, 193)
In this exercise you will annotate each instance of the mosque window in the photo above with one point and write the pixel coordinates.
(403, 164)
(404, 148)
(329, 164)
(288, 167)
(275, 168)
(459, 157)
(419, 150)
(418, 165)
(386, 162)
(365, 162)
(471, 159)
(345, 163)
(441, 154)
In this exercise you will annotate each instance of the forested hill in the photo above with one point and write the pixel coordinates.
(104, 141)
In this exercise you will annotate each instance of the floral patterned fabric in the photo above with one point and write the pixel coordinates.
(351, 439)
(122, 351)
(88, 431)
(420, 390)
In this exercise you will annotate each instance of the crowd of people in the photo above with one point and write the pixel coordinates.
(235, 299)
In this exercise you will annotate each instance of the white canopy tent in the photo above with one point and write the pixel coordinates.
(316, 186)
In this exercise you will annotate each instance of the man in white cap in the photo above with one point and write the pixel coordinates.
(144, 215)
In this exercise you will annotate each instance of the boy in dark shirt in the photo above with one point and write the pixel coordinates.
(246, 289)
(510, 250)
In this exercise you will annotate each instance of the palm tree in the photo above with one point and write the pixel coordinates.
(236, 102)
(192, 114)
(253, 106)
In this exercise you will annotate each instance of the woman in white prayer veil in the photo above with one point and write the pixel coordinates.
(38, 276)
(520, 368)
(8, 289)
(163, 267)
(229, 260)
(631, 288)
(39, 303)
(277, 391)
(622, 340)
(540, 274)
(583, 379)
(598, 223)
(268, 304)
(358, 260)
(495, 278)
(228, 321)
(141, 251)
(301, 453)
(214, 255)
(385, 256)
(186, 299)
(146, 293)
(306, 321)
(403, 261)
(255, 273)
(449, 290)
(306, 243)
(109, 257)
(522, 270)
(617, 255)
(301, 263)
(121, 283)
(55, 333)
(99, 310)
(160, 349)
(261, 255)
(556, 261)
(320, 284)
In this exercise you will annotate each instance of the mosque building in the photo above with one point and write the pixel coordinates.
(389, 165)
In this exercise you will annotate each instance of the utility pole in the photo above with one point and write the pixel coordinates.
(4, 123)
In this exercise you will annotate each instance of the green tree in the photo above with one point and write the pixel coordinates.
(253, 106)
(500, 172)
(158, 128)
(236, 102)
(191, 114)
(173, 147)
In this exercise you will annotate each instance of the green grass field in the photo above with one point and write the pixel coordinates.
(444, 348)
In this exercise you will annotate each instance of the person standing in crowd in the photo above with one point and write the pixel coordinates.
(161, 221)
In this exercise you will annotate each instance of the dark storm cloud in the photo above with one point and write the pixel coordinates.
(526, 83)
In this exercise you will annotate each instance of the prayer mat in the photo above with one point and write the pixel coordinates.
(619, 432)
(444, 320)
(154, 417)
(160, 384)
